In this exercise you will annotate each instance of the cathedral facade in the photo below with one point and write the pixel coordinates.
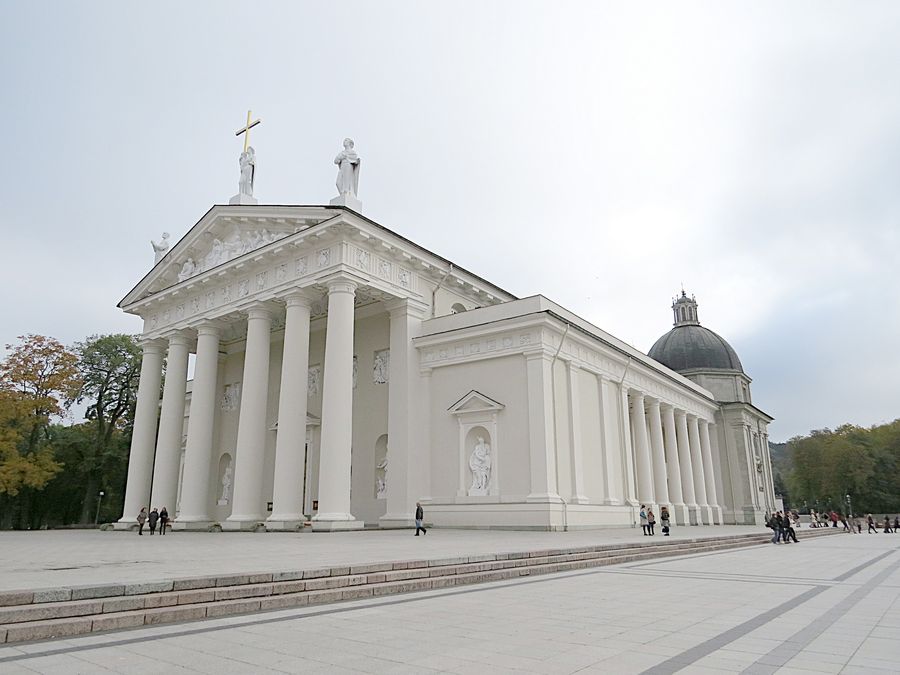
(342, 373)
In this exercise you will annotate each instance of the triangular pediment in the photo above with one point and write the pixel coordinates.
(475, 401)
(223, 234)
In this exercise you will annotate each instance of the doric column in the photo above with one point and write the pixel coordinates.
(143, 437)
(612, 486)
(697, 467)
(171, 426)
(642, 450)
(337, 412)
(247, 506)
(541, 443)
(405, 416)
(660, 481)
(684, 462)
(194, 512)
(290, 441)
(673, 467)
(626, 450)
(708, 472)
(575, 445)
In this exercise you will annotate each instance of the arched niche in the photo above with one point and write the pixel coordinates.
(457, 308)
(477, 415)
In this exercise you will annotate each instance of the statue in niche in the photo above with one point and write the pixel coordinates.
(382, 367)
(226, 484)
(348, 169)
(480, 465)
(381, 480)
(187, 270)
(248, 171)
(231, 397)
(160, 247)
(312, 381)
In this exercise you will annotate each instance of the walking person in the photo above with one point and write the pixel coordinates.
(420, 516)
(163, 520)
(664, 519)
(651, 521)
(845, 523)
(871, 521)
(896, 524)
(644, 521)
(775, 524)
(887, 525)
(789, 530)
(152, 519)
(141, 519)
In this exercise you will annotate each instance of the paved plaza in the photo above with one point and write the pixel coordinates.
(827, 605)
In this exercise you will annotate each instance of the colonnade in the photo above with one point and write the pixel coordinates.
(155, 455)
(673, 459)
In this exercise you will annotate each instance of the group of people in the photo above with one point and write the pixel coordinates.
(782, 526)
(648, 520)
(783, 523)
(155, 517)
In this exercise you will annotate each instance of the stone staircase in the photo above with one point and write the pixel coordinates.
(61, 612)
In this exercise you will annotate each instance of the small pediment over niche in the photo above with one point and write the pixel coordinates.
(475, 401)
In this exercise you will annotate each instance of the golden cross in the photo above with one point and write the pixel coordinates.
(246, 130)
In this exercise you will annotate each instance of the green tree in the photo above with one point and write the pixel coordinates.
(109, 367)
(38, 381)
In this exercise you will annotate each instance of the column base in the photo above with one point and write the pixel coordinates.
(243, 524)
(707, 513)
(337, 525)
(124, 525)
(579, 499)
(693, 514)
(680, 514)
(191, 525)
(717, 513)
(396, 521)
(285, 523)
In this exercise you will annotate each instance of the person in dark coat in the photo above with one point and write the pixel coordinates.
(152, 520)
(141, 519)
(420, 516)
(163, 520)
(651, 521)
(871, 521)
(664, 519)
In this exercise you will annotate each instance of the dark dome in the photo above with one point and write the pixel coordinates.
(691, 346)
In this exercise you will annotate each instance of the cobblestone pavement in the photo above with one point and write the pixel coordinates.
(828, 605)
(45, 559)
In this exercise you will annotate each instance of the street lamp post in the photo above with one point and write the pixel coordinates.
(99, 499)
(849, 507)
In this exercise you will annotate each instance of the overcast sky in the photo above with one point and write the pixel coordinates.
(600, 154)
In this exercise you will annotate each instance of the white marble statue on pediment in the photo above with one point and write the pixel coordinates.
(160, 247)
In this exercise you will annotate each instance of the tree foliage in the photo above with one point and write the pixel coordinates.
(38, 381)
(863, 463)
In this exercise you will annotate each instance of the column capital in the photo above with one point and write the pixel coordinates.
(653, 403)
(679, 413)
(154, 346)
(212, 328)
(178, 339)
(297, 299)
(638, 395)
(406, 306)
(259, 312)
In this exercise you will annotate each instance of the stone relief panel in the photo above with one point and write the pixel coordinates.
(231, 397)
(314, 380)
(382, 368)
(300, 264)
(323, 257)
(243, 288)
(384, 269)
(404, 277)
(280, 273)
(362, 259)
(262, 280)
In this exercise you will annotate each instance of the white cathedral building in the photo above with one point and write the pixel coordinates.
(342, 373)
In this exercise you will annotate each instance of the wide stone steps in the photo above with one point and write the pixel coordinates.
(61, 612)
